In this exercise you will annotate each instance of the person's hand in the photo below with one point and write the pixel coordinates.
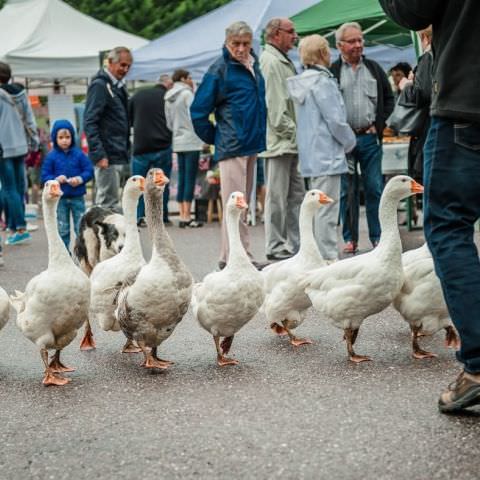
(74, 181)
(61, 179)
(403, 83)
(372, 129)
(103, 163)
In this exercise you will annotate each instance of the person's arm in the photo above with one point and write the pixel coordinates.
(169, 112)
(328, 99)
(31, 125)
(47, 171)
(388, 98)
(413, 14)
(276, 97)
(203, 105)
(94, 107)
(86, 168)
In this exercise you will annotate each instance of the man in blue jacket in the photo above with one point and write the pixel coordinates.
(107, 126)
(234, 90)
(452, 173)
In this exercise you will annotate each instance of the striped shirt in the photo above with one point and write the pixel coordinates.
(359, 90)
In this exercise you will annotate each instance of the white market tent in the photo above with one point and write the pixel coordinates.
(195, 45)
(50, 39)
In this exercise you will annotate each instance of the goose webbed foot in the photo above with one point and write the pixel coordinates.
(451, 338)
(278, 329)
(151, 360)
(57, 366)
(51, 377)
(295, 341)
(350, 336)
(88, 342)
(130, 347)
(222, 350)
(417, 352)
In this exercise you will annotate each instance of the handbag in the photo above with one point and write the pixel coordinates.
(407, 118)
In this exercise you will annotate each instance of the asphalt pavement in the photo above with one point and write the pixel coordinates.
(304, 413)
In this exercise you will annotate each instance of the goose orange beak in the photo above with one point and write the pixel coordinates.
(241, 203)
(55, 190)
(324, 198)
(416, 187)
(160, 178)
(142, 184)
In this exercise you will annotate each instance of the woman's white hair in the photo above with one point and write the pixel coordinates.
(340, 32)
(238, 28)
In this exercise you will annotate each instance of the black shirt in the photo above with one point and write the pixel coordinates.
(147, 116)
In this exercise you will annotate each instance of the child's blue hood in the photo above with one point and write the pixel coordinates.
(62, 125)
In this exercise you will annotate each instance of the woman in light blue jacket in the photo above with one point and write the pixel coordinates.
(323, 135)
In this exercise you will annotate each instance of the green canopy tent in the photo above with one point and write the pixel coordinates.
(327, 15)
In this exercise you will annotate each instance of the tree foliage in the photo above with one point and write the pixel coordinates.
(146, 18)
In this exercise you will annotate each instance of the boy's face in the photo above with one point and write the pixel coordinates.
(64, 139)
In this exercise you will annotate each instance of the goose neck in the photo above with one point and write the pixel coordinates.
(390, 243)
(58, 254)
(236, 251)
(308, 243)
(132, 237)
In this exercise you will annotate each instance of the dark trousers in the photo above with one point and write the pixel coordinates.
(452, 206)
(187, 174)
(367, 153)
(12, 178)
(141, 164)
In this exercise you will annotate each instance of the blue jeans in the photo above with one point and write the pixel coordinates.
(141, 164)
(66, 206)
(368, 153)
(12, 177)
(452, 206)
(187, 174)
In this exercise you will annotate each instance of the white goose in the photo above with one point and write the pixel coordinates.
(4, 307)
(55, 303)
(421, 302)
(225, 301)
(152, 302)
(108, 274)
(285, 300)
(349, 291)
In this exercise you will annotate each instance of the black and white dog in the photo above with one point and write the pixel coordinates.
(101, 236)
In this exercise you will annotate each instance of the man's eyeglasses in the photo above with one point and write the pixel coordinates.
(291, 31)
(353, 41)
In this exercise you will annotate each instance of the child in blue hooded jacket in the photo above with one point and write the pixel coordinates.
(73, 169)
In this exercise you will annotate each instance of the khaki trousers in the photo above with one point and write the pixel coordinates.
(236, 175)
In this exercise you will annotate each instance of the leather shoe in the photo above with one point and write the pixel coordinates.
(283, 255)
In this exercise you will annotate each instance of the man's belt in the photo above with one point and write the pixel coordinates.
(362, 130)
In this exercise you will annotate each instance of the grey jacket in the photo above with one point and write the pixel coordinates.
(14, 140)
(177, 113)
(323, 135)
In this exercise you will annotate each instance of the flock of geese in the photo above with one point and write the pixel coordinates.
(146, 300)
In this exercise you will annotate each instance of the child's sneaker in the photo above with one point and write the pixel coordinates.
(18, 238)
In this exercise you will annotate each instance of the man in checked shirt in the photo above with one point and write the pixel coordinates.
(368, 101)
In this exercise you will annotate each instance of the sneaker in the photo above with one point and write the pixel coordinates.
(350, 247)
(141, 223)
(221, 265)
(18, 238)
(2, 263)
(31, 227)
(260, 265)
(462, 393)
